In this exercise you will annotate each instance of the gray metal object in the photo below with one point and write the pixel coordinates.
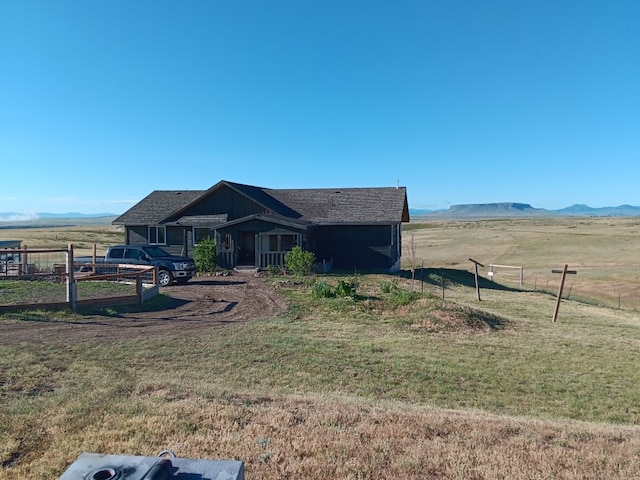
(94, 466)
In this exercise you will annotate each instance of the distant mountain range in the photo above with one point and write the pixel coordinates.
(22, 220)
(512, 209)
(28, 216)
(473, 210)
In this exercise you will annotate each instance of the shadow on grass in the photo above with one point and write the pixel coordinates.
(156, 304)
(209, 282)
(452, 276)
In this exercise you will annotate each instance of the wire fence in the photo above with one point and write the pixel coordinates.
(49, 278)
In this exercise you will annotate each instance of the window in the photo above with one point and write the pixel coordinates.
(273, 243)
(116, 253)
(133, 253)
(157, 235)
(200, 233)
(269, 243)
(226, 241)
(287, 242)
(394, 234)
(278, 242)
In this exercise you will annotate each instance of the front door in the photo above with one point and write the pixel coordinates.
(247, 248)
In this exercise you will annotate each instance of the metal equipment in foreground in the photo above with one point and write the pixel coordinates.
(166, 466)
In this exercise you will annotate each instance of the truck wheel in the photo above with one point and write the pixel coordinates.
(164, 278)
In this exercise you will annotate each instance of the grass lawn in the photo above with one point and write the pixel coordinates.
(397, 382)
(29, 291)
(389, 384)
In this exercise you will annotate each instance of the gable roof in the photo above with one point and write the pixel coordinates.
(320, 206)
(157, 206)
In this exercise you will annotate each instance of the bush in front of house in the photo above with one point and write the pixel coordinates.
(346, 289)
(321, 290)
(299, 261)
(204, 254)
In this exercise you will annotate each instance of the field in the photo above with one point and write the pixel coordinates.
(392, 383)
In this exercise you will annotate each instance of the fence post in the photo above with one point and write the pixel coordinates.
(71, 283)
(23, 267)
(139, 289)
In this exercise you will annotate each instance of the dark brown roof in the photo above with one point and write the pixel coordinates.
(157, 206)
(346, 205)
(211, 221)
(320, 206)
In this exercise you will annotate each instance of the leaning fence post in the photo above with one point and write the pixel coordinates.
(476, 277)
(564, 273)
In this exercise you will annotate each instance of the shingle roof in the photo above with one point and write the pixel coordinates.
(202, 220)
(157, 206)
(320, 206)
(346, 205)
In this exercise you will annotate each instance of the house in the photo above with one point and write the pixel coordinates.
(345, 227)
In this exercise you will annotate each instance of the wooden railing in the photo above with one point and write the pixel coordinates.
(272, 258)
(65, 270)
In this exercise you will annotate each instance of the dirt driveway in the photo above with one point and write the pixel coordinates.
(202, 303)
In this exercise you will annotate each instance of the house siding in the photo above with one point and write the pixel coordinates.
(244, 238)
(349, 228)
(139, 235)
(356, 246)
(225, 201)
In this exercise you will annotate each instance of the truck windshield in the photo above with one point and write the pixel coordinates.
(155, 251)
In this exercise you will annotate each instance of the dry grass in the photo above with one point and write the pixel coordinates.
(384, 386)
(604, 251)
(326, 437)
(82, 236)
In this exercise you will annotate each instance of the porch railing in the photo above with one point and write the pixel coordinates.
(271, 258)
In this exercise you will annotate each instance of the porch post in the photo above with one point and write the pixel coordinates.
(258, 256)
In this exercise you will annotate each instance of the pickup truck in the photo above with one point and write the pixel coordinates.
(170, 267)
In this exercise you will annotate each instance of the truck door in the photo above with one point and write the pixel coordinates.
(134, 256)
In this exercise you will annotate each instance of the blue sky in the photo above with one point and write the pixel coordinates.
(102, 102)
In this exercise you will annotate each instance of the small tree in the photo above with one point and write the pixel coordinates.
(299, 261)
(411, 255)
(205, 256)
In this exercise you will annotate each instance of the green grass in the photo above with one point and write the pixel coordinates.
(32, 291)
(584, 367)
(359, 378)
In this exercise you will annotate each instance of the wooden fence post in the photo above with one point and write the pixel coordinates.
(139, 289)
(564, 273)
(71, 284)
(24, 262)
(476, 263)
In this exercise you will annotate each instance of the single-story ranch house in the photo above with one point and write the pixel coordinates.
(346, 228)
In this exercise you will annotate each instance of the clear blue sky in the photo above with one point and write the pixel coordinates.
(102, 102)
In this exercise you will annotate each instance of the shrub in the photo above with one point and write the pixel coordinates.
(388, 287)
(345, 289)
(321, 290)
(403, 297)
(273, 269)
(204, 255)
(299, 261)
